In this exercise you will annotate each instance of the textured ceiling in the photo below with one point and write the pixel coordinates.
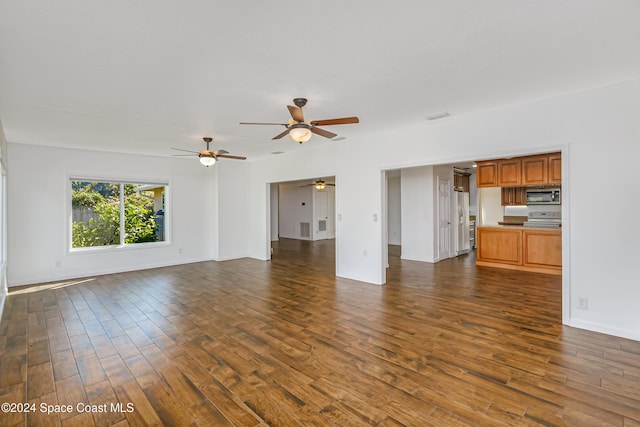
(144, 76)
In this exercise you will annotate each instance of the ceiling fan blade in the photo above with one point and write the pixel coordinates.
(323, 132)
(332, 185)
(306, 185)
(280, 135)
(259, 123)
(185, 155)
(188, 151)
(231, 157)
(219, 152)
(296, 113)
(341, 121)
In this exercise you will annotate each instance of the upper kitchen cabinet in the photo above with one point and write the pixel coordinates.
(460, 180)
(487, 173)
(555, 168)
(509, 172)
(535, 170)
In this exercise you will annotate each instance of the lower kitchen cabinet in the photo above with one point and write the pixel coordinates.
(543, 249)
(538, 250)
(500, 245)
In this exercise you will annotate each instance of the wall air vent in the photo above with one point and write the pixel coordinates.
(305, 229)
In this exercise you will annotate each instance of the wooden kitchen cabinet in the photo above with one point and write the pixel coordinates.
(514, 196)
(461, 182)
(499, 245)
(487, 174)
(509, 172)
(535, 170)
(543, 249)
(555, 168)
(527, 249)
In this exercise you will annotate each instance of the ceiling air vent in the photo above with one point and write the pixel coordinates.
(437, 116)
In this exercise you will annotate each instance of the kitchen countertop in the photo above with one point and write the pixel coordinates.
(518, 227)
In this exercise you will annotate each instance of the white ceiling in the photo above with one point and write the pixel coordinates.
(144, 76)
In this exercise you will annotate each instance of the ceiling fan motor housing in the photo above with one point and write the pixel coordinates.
(300, 102)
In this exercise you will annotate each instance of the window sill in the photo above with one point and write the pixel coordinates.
(117, 248)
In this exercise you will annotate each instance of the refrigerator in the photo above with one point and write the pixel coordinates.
(462, 222)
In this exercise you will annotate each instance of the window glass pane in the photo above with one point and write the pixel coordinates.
(143, 213)
(95, 214)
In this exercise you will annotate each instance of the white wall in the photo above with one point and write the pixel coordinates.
(394, 210)
(491, 211)
(418, 213)
(295, 206)
(473, 195)
(3, 221)
(232, 209)
(39, 196)
(597, 131)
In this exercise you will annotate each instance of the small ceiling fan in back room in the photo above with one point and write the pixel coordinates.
(320, 184)
(299, 130)
(208, 157)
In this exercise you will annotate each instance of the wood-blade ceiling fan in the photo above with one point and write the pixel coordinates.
(319, 184)
(299, 130)
(208, 157)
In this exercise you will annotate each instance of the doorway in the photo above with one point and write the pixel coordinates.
(303, 212)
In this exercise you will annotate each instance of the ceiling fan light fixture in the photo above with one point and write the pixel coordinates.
(320, 185)
(207, 160)
(300, 134)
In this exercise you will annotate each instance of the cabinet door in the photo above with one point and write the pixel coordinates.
(506, 196)
(519, 196)
(509, 173)
(543, 248)
(500, 245)
(555, 168)
(535, 170)
(487, 174)
(514, 196)
(465, 183)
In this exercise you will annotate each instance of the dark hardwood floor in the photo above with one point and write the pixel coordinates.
(285, 342)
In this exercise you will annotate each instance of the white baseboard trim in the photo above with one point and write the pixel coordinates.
(604, 329)
(430, 260)
(102, 272)
(229, 258)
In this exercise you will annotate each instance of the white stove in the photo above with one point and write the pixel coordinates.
(544, 220)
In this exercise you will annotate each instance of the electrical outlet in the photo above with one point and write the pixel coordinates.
(583, 303)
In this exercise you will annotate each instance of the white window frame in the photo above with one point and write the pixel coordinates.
(121, 181)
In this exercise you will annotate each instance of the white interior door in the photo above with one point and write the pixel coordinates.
(444, 218)
(321, 215)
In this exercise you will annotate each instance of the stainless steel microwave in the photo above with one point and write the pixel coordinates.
(543, 196)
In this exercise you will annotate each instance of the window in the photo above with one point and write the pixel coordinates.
(110, 213)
